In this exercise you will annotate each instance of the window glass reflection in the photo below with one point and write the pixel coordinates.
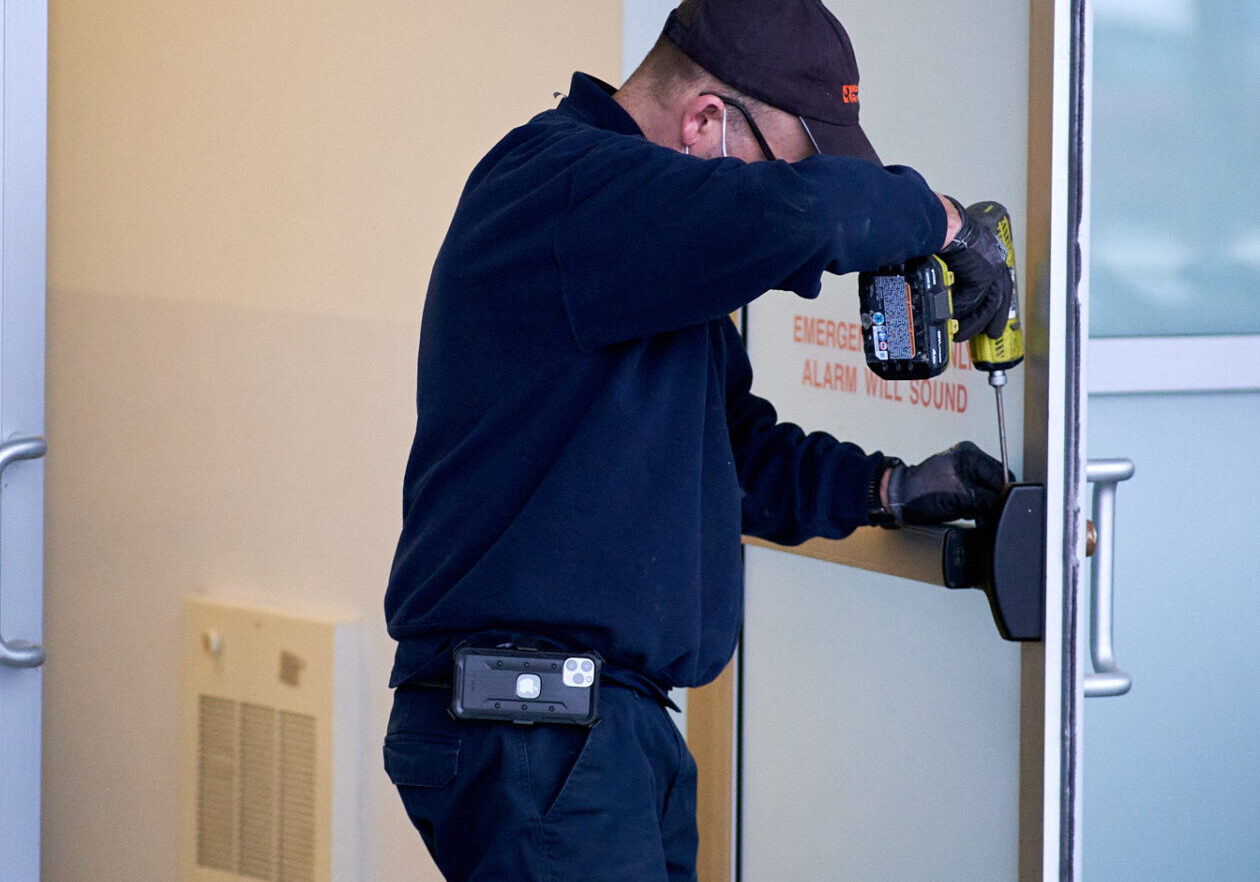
(1176, 141)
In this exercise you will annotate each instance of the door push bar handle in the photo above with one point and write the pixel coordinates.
(20, 653)
(1108, 679)
(1006, 560)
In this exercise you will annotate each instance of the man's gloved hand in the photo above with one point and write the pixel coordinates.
(982, 283)
(962, 482)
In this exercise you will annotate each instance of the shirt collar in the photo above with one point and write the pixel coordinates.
(590, 100)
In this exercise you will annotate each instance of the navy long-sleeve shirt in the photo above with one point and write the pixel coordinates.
(587, 450)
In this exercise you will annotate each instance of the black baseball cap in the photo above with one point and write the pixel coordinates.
(792, 54)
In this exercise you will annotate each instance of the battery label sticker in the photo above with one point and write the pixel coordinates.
(895, 335)
(879, 336)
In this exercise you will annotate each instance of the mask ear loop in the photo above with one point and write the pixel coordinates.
(687, 147)
(812, 140)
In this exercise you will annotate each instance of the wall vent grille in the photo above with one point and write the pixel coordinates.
(271, 757)
(255, 791)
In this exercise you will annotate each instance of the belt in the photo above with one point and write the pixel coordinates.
(611, 675)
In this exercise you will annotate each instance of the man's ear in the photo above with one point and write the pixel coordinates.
(701, 125)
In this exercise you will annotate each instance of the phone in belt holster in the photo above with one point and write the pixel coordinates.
(525, 686)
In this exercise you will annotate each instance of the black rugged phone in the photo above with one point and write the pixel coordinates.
(525, 686)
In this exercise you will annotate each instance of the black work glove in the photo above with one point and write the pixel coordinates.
(982, 282)
(962, 482)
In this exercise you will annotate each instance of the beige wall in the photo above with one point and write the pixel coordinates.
(244, 200)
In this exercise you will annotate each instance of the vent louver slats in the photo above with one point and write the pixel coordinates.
(297, 798)
(256, 791)
(216, 778)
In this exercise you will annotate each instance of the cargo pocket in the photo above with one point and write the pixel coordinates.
(421, 760)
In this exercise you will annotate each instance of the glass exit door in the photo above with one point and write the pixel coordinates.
(887, 732)
(1174, 367)
(23, 59)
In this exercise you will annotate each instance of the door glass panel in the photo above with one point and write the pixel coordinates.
(1170, 769)
(1175, 245)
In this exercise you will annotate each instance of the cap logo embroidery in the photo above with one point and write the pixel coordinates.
(849, 94)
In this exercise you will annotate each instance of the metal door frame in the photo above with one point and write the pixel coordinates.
(1056, 321)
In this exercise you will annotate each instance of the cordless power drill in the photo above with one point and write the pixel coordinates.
(908, 325)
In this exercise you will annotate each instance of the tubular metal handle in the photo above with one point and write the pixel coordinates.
(1105, 474)
(20, 653)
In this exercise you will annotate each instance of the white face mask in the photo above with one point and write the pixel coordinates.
(687, 147)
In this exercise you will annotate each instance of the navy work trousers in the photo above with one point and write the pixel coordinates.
(547, 803)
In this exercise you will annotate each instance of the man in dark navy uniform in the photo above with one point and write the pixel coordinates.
(588, 451)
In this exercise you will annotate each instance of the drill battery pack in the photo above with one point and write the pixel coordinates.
(907, 329)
